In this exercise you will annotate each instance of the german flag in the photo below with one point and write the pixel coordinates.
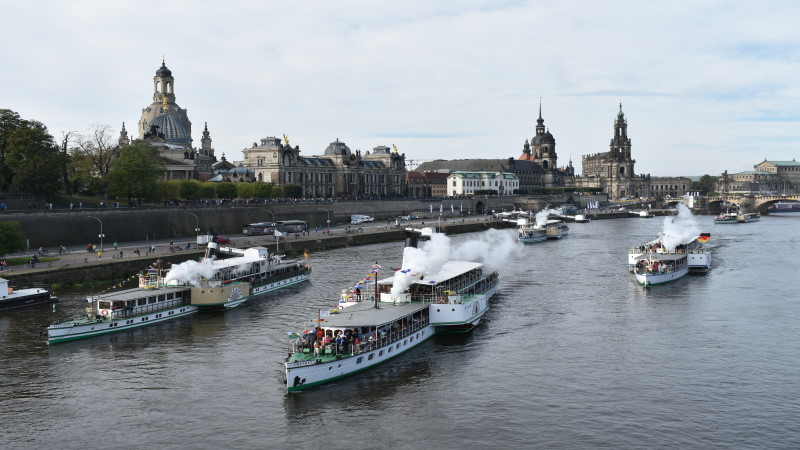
(704, 237)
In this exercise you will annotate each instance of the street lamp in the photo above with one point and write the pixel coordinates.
(197, 226)
(101, 235)
(329, 216)
(276, 231)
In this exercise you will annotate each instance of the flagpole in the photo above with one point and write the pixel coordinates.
(376, 284)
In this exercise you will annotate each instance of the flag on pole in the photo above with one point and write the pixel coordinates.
(441, 208)
(430, 206)
(452, 209)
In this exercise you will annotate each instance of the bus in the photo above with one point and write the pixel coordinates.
(258, 229)
(292, 226)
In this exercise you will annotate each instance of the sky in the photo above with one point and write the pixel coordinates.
(706, 86)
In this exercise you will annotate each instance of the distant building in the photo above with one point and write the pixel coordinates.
(225, 171)
(467, 183)
(613, 171)
(770, 177)
(166, 126)
(339, 172)
(426, 184)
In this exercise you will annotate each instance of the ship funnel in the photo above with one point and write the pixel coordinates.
(211, 251)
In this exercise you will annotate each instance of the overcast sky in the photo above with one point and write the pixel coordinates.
(706, 86)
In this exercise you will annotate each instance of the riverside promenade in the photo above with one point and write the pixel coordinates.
(79, 265)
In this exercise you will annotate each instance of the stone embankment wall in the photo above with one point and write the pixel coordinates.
(88, 268)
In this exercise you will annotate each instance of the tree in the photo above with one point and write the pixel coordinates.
(135, 172)
(190, 190)
(11, 237)
(169, 190)
(34, 159)
(276, 192)
(705, 184)
(99, 147)
(261, 189)
(208, 190)
(245, 190)
(292, 190)
(9, 121)
(226, 190)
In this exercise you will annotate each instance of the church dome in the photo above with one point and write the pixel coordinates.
(172, 128)
(163, 71)
(544, 138)
(337, 147)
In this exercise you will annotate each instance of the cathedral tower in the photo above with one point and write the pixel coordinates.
(543, 145)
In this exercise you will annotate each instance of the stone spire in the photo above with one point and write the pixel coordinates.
(123, 136)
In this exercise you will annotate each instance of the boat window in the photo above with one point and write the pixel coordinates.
(170, 296)
(161, 298)
(380, 353)
(371, 355)
(360, 358)
(151, 300)
(389, 350)
(104, 305)
(397, 346)
(141, 301)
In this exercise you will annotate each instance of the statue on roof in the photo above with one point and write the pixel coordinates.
(286, 140)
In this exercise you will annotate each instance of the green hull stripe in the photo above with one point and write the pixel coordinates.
(87, 334)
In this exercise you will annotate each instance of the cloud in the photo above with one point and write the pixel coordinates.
(448, 80)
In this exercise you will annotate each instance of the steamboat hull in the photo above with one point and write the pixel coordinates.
(309, 374)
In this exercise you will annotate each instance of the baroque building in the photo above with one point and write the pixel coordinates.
(613, 171)
(166, 126)
(769, 177)
(338, 172)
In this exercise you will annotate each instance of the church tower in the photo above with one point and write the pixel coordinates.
(620, 143)
(205, 143)
(172, 121)
(123, 136)
(543, 145)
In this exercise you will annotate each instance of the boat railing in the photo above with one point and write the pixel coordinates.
(127, 312)
(373, 342)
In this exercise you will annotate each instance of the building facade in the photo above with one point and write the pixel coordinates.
(166, 126)
(467, 183)
(338, 172)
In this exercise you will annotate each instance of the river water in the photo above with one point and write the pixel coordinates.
(573, 354)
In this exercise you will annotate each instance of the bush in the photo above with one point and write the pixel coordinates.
(11, 238)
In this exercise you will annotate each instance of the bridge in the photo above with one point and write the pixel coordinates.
(748, 203)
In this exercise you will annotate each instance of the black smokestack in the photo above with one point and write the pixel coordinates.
(211, 251)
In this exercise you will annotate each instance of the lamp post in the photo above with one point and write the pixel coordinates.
(329, 216)
(275, 232)
(197, 225)
(101, 235)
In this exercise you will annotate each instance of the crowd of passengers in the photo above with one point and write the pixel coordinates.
(353, 341)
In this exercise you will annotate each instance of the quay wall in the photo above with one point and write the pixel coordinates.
(83, 268)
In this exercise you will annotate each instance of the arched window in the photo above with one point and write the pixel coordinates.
(158, 87)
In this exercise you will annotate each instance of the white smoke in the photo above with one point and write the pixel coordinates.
(541, 216)
(492, 248)
(190, 272)
(680, 229)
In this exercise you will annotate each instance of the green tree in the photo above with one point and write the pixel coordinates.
(261, 189)
(705, 184)
(35, 160)
(208, 190)
(11, 237)
(9, 122)
(136, 171)
(292, 190)
(276, 192)
(169, 189)
(245, 190)
(226, 190)
(190, 190)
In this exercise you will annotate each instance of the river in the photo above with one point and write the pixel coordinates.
(573, 354)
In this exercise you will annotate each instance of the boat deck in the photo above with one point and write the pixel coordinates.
(137, 293)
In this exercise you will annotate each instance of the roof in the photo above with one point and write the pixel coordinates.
(783, 163)
(365, 314)
(135, 293)
(450, 269)
(173, 130)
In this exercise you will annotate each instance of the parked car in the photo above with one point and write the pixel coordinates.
(223, 240)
